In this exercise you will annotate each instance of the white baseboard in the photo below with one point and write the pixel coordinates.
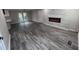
(9, 42)
(63, 28)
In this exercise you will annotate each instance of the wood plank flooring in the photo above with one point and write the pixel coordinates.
(38, 36)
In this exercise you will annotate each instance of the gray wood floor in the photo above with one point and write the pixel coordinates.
(37, 36)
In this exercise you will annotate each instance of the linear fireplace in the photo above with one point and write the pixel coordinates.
(54, 19)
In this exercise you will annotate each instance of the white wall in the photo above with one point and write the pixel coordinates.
(69, 18)
(13, 16)
(4, 30)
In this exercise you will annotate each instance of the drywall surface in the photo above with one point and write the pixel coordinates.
(69, 18)
(13, 16)
(4, 31)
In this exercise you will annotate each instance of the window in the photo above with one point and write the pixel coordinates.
(23, 17)
(20, 17)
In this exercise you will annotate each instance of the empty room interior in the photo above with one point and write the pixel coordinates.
(39, 29)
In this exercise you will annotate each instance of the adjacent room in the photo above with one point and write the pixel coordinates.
(39, 29)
